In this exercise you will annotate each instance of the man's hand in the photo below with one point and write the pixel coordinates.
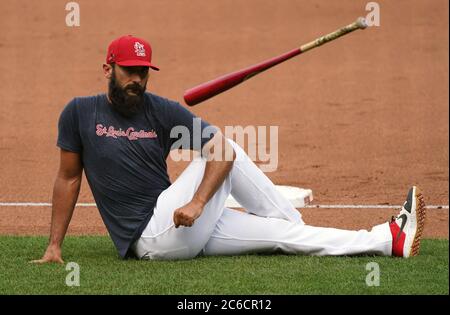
(187, 214)
(52, 254)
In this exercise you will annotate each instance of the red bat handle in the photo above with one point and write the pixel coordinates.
(211, 88)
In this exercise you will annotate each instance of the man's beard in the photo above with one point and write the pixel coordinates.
(126, 104)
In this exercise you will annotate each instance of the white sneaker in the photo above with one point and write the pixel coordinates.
(407, 227)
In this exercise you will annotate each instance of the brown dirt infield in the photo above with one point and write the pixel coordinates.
(360, 119)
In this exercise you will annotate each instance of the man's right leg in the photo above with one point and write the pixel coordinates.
(249, 186)
(256, 192)
(277, 224)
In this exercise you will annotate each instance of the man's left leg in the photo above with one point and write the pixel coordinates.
(242, 233)
(239, 233)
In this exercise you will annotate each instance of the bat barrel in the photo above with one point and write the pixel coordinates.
(211, 88)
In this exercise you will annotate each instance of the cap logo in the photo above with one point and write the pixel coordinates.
(139, 49)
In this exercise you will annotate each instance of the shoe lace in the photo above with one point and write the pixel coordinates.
(393, 218)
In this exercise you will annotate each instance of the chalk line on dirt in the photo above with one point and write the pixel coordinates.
(337, 206)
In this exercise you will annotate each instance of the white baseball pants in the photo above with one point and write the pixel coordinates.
(270, 223)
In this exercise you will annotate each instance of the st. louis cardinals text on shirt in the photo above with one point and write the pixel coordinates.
(130, 133)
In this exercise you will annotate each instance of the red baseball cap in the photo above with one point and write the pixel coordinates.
(130, 51)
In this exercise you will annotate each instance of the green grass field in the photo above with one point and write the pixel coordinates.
(102, 272)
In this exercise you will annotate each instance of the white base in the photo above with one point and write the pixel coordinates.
(299, 197)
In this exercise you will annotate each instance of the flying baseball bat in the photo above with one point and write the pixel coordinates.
(209, 89)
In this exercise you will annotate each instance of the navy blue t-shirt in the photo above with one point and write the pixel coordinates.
(124, 159)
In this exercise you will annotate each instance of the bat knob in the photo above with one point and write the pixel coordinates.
(361, 23)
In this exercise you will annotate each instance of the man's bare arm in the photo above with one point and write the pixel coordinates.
(220, 155)
(65, 195)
